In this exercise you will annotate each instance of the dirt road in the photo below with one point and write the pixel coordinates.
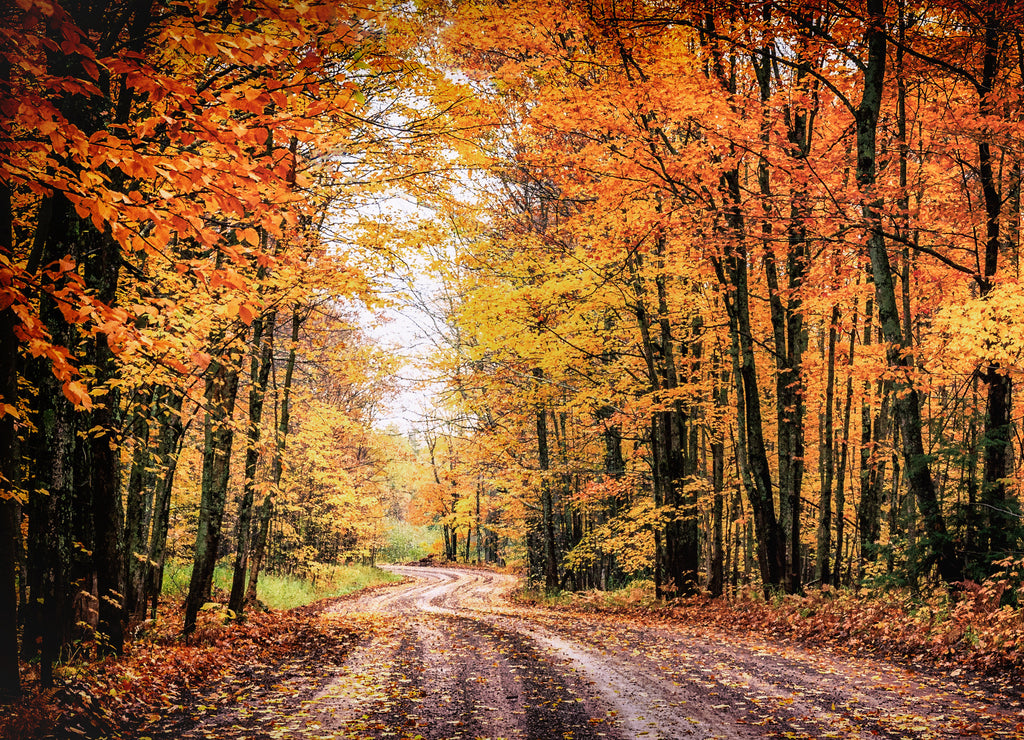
(445, 656)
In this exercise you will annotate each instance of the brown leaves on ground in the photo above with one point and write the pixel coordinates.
(234, 677)
(160, 674)
(951, 631)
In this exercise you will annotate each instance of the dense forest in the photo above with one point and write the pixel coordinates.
(719, 296)
(742, 301)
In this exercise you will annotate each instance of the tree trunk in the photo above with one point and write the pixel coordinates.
(682, 547)
(102, 269)
(790, 336)
(908, 408)
(844, 449)
(259, 373)
(875, 432)
(259, 547)
(139, 509)
(1000, 520)
(166, 462)
(824, 541)
(716, 572)
(659, 467)
(10, 515)
(732, 273)
(479, 523)
(54, 507)
(221, 390)
(547, 514)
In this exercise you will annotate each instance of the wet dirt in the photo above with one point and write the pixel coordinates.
(445, 655)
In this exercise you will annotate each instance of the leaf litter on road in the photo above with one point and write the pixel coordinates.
(444, 657)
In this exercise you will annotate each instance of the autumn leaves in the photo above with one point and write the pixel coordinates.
(166, 172)
(717, 242)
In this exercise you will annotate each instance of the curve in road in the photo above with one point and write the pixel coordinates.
(449, 657)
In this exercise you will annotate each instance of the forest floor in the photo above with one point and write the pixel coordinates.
(445, 655)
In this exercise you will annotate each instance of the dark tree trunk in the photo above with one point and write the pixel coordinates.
(259, 546)
(165, 464)
(672, 457)
(221, 390)
(790, 336)
(1001, 520)
(547, 522)
(658, 447)
(10, 514)
(682, 547)
(102, 271)
(716, 573)
(547, 513)
(139, 510)
(908, 407)
(828, 461)
(55, 510)
(844, 449)
(733, 274)
(875, 433)
(259, 374)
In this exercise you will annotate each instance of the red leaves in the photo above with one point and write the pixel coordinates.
(75, 392)
(201, 360)
(159, 675)
(246, 313)
(197, 165)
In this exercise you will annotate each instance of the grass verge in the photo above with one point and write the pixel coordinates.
(284, 591)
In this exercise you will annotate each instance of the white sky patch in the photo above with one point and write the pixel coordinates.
(406, 327)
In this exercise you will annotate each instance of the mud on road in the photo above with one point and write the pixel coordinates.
(444, 656)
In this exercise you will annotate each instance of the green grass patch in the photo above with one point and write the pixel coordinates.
(408, 542)
(282, 591)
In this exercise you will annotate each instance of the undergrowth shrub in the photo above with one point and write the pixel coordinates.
(407, 542)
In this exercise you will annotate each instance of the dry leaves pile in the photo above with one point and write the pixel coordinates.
(159, 673)
(969, 628)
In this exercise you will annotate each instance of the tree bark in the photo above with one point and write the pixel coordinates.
(908, 409)
(547, 514)
(166, 463)
(874, 433)
(139, 510)
(682, 555)
(1001, 522)
(716, 572)
(55, 507)
(790, 336)
(10, 508)
(260, 541)
(824, 539)
(733, 274)
(221, 390)
(259, 373)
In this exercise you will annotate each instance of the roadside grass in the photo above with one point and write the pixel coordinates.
(408, 542)
(284, 591)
